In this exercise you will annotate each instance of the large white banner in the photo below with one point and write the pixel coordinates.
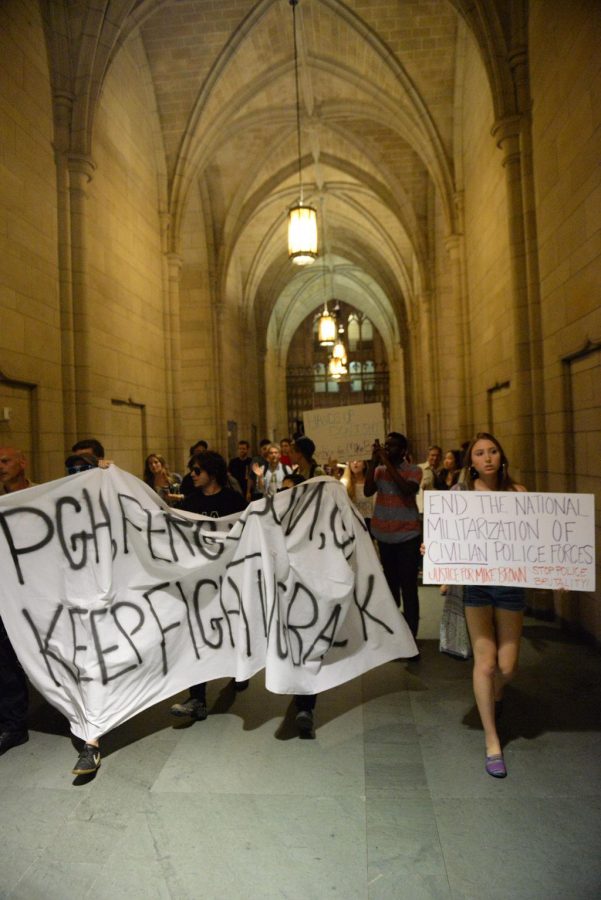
(114, 602)
(539, 540)
(345, 432)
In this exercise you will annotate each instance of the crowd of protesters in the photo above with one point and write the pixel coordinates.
(387, 490)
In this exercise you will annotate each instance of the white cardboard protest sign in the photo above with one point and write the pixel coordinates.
(114, 602)
(540, 540)
(345, 432)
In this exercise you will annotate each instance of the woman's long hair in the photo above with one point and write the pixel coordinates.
(349, 478)
(149, 475)
(504, 481)
(440, 478)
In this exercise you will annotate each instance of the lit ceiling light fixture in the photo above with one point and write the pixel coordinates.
(339, 350)
(334, 368)
(337, 369)
(326, 331)
(302, 218)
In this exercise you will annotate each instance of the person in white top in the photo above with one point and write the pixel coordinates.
(270, 477)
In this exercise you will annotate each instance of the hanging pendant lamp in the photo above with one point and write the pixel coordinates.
(302, 234)
(302, 217)
(334, 368)
(339, 350)
(326, 330)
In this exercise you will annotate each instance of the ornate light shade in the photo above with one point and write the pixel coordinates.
(326, 331)
(302, 219)
(336, 368)
(302, 234)
(339, 350)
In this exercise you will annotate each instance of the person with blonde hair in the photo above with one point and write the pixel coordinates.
(353, 478)
(269, 478)
(159, 478)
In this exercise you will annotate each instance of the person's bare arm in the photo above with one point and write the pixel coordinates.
(408, 488)
(369, 485)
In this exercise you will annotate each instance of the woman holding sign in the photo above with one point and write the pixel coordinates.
(495, 614)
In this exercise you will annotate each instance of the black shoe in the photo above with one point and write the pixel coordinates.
(88, 760)
(304, 722)
(414, 659)
(9, 739)
(196, 709)
(240, 686)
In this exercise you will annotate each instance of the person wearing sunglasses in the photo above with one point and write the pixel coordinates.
(211, 497)
(80, 462)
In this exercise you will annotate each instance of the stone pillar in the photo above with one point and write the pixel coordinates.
(397, 391)
(507, 134)
(275, 394)
(219, 426)
(423, 413)
(261, 392)
(173, 358)
(63, 105)
(81, 169)
(415, 394)
(518, 61)
(455, 246)
(426, 306)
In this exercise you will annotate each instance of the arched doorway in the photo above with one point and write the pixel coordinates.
(309, 384)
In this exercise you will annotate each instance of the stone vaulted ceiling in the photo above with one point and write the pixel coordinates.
(377, 84)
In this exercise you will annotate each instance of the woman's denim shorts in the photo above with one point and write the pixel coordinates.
(499, 597)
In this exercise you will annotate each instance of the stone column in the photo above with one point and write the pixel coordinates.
(518, 61)
(273, 374)
(507, 134)
(63, 105)
(397, 390)
(218, 311)
(172, 329)
(81, 169)
(424, 386)
(415, 394)
(455, 246)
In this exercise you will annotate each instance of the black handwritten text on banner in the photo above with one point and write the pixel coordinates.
(113, 601)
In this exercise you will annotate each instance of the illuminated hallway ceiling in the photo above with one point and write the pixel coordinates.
(377, 84)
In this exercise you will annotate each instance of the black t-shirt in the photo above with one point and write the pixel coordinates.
(187, 485)
(224, 503)
(240, 468)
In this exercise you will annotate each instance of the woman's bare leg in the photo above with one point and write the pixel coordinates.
(481, 626)
(508, 626)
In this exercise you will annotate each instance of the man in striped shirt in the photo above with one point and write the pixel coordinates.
(395, 522)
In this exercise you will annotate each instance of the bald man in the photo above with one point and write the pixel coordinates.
(13, 467)
(13, 684)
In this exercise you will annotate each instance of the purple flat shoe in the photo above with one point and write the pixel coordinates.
(495, 766)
